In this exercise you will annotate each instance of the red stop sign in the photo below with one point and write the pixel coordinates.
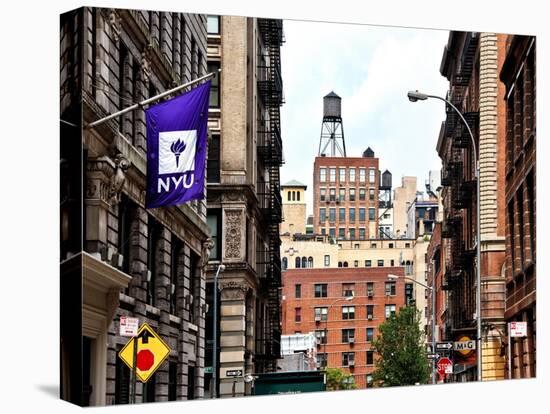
(442, 365)
(145, 360)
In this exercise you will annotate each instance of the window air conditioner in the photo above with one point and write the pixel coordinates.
(317, 318)
(148, 275)
(117, 260)
(369, 317)
(351, 364)
(370, 294)
(351, 341)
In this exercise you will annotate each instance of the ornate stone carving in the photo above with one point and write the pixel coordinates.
(233, 219)
(114, 24)
(146, 63)
(205, 252)
(233, 290)
(118, 179)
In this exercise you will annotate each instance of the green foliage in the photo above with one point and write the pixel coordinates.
(400, 345)
(337, 379)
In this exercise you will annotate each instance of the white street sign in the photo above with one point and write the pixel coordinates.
(128, 326)
(443, 345)
(517, 329)
(464, 345)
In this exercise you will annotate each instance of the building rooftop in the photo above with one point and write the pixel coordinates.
(294, 183)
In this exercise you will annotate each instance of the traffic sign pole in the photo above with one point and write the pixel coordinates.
(134, 370)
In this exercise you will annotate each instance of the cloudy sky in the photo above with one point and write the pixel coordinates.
(371, 68)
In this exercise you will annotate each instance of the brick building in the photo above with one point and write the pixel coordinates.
(436, 265)
(471, 62)
(244, 196)
(345, 196)
(518, 75)
(344, 308)
(123, 259)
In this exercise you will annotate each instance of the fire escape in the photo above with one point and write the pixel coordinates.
(270, 152)
(459, 274)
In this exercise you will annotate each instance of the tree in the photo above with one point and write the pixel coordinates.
(400, 345)
(337, 379)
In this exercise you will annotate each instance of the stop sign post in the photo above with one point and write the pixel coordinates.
(444, 366)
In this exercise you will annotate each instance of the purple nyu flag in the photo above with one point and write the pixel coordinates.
(176, 148)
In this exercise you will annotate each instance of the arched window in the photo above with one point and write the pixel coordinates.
(294, 196)
(289, 195)
(309, 260)
(339, 264)
(285, 263)
(297, 263)
(297, 196)
(345, 264)
(304, 262)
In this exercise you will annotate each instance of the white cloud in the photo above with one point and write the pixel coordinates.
(371, 68)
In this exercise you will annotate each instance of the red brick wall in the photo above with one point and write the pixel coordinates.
(334, 278)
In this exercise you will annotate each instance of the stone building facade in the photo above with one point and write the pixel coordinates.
(403, 196)
(344, 309)
(136, 262)
(345, 196)
(294, 208)
(471, 62)
(518, 74)
(244, 196)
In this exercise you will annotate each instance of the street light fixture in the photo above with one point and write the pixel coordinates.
(432, 292)
(416, 96)
(347, 298)
(221, 268)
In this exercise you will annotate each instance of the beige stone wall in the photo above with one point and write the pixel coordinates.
(419, 271)
(294, 218)
(401, 196)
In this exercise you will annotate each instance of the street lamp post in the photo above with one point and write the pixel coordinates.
(432, 292)
(347, 298)
(221, 268)
(418, 96)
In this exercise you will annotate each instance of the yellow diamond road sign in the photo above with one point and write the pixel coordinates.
(151, 352)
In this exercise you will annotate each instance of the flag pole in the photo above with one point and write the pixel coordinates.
(149, 100)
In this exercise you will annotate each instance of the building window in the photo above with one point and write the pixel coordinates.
(297, 263)
(372, 213)
(362, 175)
(372, 175)
(370, 311)
(390, 311)
(341, 233)
(348, 359)
(362, 234)
(342, 215)
(323, 231)
(390, 288)
(332, 215)
(362, 214)
(380, 263)
(297, 291)
(322, 175)
(321, 290)
(122, 382)
(297, 196)
(285, 263)
(373, 245)
(213, 24)
(321, 314)
(407, 245)
(342, 194)
(342, 177)
(322, 215)
(370, 334)
(390, 245)
(356, 263)
(288, 197)
(297, 314)
(310, 262)
(348, 289)
(214, 67)
(332, 176)
(370, 358)
(176, 249)
(153, 233)
(370, 288)
(362, 194)
(327, 260)
(321, 337)
(352, 234)
(368, 263)
(321, 360)
(304, 262)
(322, 194)
(392, 262)
(356, 247)
(352, 215)
(332, 194)
(352, 194)
(213, 162)
(371, 194)
(348, 312)
(348, 334)
(214, 223)
(345, 264)
(332, 232)
(352, 175)
(340, 264)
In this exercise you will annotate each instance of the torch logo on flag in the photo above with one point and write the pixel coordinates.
(176, 148)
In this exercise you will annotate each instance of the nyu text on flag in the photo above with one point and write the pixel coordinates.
(176, 148)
